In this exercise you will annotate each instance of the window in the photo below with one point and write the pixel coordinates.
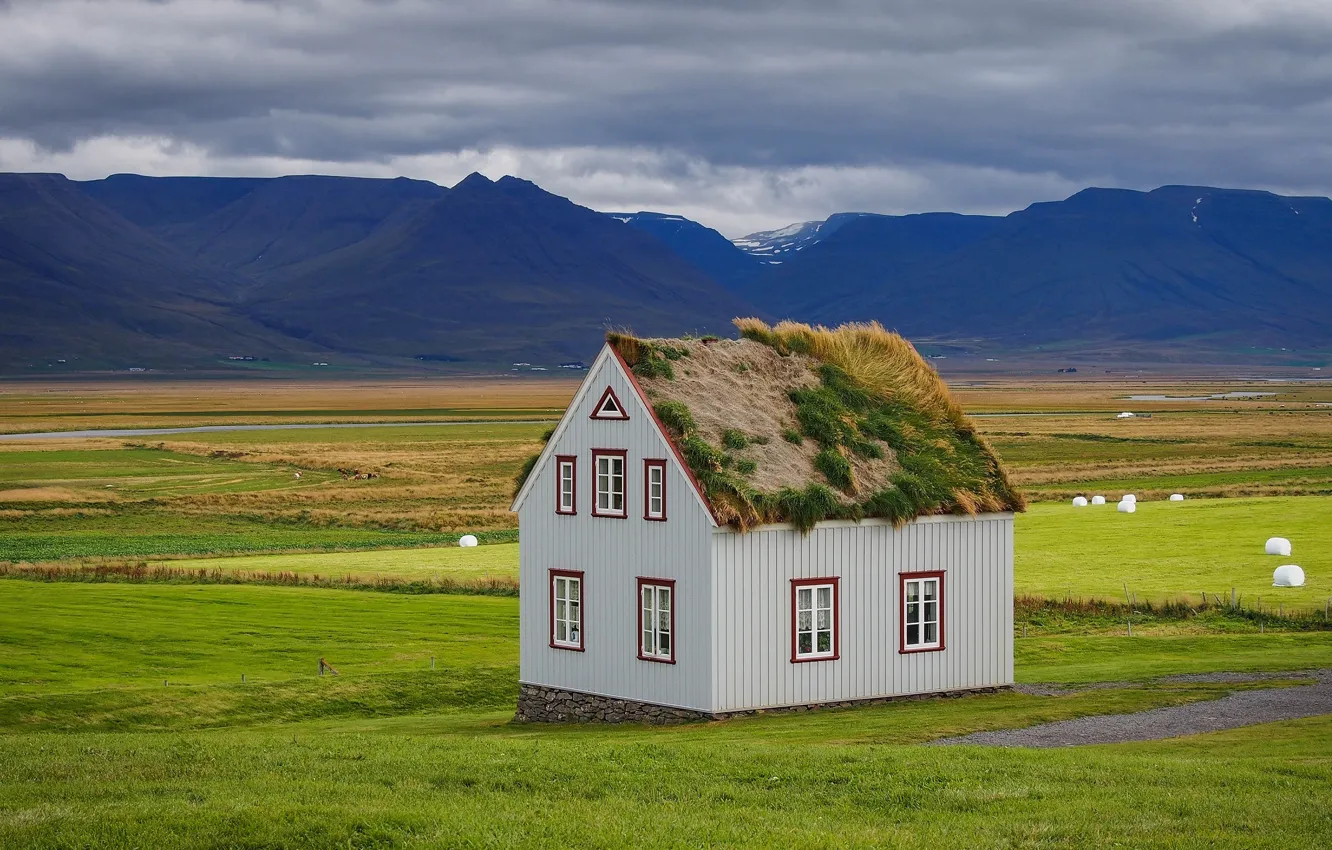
(609, 407)
(566, 484)
(814, 619)
(654, 489)
(656, 620)
(922, 611)
(608, 483)
(566, 609)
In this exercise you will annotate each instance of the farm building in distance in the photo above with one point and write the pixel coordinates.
(799, 517)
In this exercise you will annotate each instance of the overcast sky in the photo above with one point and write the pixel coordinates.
(741, 115)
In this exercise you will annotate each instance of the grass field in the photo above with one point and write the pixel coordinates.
(1173, 549)
(30, 406)
(124, 720)
(96, 751)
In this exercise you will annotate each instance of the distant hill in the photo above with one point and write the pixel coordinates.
(490, 271)
(1182, 267)
(174, 272)
(774, 247)
(707, 249)
(184, 272)
(80, 283)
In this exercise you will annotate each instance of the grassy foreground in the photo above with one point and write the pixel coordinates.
(96, 752)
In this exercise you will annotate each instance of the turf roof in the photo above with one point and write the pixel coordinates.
(800, 424)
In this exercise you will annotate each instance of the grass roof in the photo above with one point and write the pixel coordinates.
(801, 424)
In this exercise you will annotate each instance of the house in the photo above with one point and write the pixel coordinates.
(798, 517)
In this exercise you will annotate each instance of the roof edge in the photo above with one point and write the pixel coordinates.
(665, 435)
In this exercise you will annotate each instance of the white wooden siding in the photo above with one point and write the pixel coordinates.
(752, 610)
(612, 553)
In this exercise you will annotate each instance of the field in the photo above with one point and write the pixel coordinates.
(112, 693)
(179, 712)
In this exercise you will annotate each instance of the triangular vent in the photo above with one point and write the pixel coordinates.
(609, 407)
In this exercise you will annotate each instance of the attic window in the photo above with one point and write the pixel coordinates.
(654, 489)
(609, 407)
(608, 483)
(566, 484)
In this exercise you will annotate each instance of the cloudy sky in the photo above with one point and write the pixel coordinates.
(743, 115)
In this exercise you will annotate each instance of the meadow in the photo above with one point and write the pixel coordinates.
(125, 723)
(184, 713)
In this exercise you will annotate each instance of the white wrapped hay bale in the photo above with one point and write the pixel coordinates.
(1079, 501)
(1288, 575)
(467, 540)
(1176, 497)
(1098, 500)
(1128, 497)
(1277, 546)
(1127, 507)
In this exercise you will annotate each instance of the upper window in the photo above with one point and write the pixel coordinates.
(654, 489)
(813, 619)
(656, 619)
(566, 484)
(922, 611)
(608, 482)
(566, 609)
(609, 407)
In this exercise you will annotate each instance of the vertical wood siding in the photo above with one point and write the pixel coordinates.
(752, 610)
(612, 553)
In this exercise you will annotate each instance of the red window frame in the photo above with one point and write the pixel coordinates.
(648, 465)
(596, 411)
(623, 455)
(560, 460)
(582, 609)
(654, 582)
(903, 578)
(796, 584)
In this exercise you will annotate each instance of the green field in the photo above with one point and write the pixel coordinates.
(1166, 550)
(1176, 549)
(96, 751)
(125, 720)
(491, 561)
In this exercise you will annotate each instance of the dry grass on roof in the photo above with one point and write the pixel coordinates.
(802, 424)
(741, 385)
(878, 359)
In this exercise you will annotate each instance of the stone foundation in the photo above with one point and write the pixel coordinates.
(540, 704)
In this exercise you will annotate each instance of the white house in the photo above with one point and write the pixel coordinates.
(656, 591)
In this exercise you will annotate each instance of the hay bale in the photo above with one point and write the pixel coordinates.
(1079, 501)
(1128, 497)
(1277, 546)
(1127, 507)
(1098, 500)
(1176, 497)
(467, 541)
(1288, 575)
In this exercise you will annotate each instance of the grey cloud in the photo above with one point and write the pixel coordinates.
(1135, 92)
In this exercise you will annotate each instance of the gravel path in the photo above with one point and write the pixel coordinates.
(1243, 708)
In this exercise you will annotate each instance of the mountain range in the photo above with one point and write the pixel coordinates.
(161, 272)
(186, 272)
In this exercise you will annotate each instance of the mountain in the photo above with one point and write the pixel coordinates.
(774, 247)
(704, 247)
(80, 282)
(1197, 267)
(487, 271)
(184, 272)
